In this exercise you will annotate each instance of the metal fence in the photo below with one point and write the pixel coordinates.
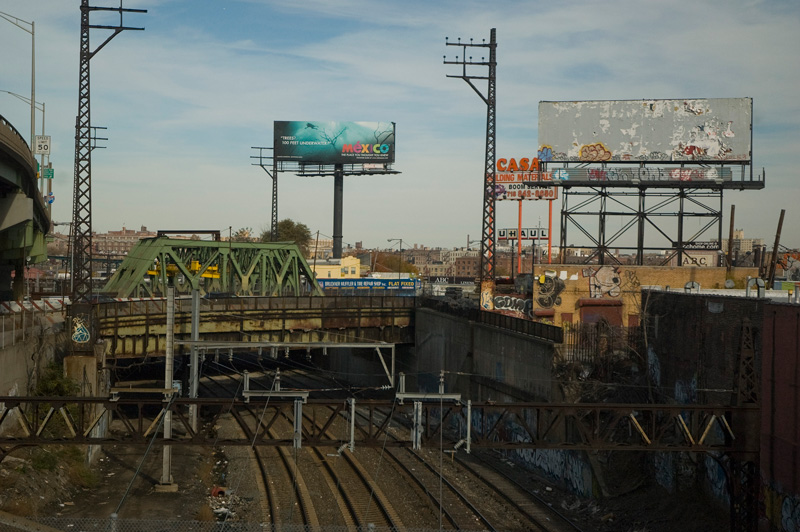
(25, 324)
(588, 342)
(155, 306)
(152, 525)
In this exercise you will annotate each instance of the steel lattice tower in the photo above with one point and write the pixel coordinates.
(82, 195)
(488, 231)
(273, 228)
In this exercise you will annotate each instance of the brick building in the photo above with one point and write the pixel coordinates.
(119, 242)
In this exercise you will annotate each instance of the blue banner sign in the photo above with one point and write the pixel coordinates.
(362, 284)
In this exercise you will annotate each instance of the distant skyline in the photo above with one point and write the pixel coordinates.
(186, 99)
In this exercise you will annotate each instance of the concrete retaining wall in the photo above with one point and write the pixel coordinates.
(486, 363)
(480, 361)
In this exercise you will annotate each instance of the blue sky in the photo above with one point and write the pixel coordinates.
(185, 99)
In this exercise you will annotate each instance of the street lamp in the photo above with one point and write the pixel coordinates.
(399, 266)
(40, 107)
(18, 23)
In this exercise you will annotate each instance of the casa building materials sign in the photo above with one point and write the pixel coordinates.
(334, 142)
(520, 179)
(702, 130)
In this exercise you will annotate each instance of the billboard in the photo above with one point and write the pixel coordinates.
(520, 179)
(703, 130)
(334, 142)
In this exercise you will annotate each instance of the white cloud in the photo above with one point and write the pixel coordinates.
(186, 99)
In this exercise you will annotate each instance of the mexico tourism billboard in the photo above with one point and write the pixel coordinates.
(710, 130)
(334, 142)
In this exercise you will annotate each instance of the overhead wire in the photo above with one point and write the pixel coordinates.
(149, 446)
(381, 455)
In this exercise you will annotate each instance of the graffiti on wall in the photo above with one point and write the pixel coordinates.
(550, 292)
(603, 281)
(716, 475)
(790, 262)
(686, 392)
(781, 509)
(653, 366)
(568, 468)
(594, 152)
(514, 304)
(80, 332)
(664, 466)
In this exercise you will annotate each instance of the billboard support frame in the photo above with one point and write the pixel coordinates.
(645, 214)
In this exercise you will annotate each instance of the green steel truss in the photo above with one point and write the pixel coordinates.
(240, 268)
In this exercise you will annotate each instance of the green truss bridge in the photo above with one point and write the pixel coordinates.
(230, 268)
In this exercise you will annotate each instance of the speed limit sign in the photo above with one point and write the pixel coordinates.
(42, 145)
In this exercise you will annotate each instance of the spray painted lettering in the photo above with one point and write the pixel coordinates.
(790, 262)
(550, 292)
(523, 306)
(603, 281)
(781, 509)
(642, 174)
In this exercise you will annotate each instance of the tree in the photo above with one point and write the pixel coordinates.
(290, 231)
(243, 234)
(390, 262)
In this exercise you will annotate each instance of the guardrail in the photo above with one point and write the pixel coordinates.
(141, 306)
(22, 320)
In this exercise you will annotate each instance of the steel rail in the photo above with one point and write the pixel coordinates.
(276, 497)
(541, 503)
(543, 511)
(420, 484)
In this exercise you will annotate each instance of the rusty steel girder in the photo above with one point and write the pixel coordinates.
(137, 328)
(587, 427)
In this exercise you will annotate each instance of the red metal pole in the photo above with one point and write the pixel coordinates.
(549, 233)
(519, 237)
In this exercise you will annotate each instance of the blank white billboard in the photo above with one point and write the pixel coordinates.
(703, 130)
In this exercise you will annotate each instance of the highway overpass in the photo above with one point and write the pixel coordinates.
(24, 220)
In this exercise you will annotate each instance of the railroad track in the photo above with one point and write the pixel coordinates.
(275, 475)
(499, 503)
(359, 499)
(520, 509)
(534, 508)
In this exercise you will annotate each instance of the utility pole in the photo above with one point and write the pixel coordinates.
(273, 228)
(488, 233)
(774, 261)
(82, 197)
